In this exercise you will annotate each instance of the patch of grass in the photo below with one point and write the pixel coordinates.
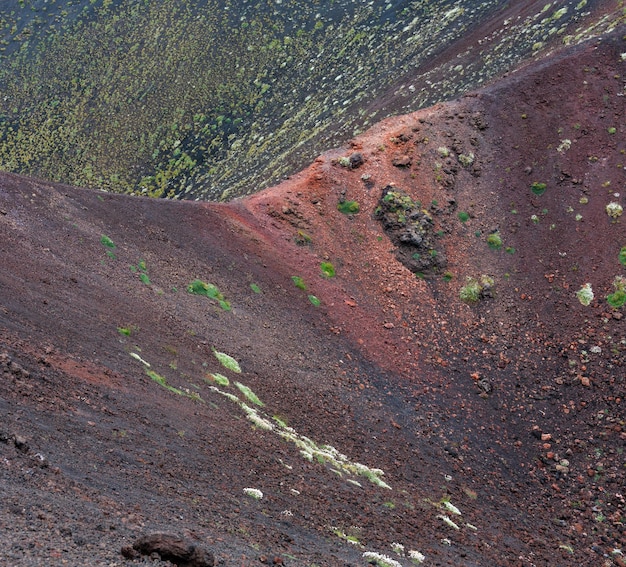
(470, 293)
(538, 188)
(314, 300)
(348, 207)
(328, 270)
(106, 241)
(144, 278)
(494, 240)
(463, 216)
(126, 331)
(227, 361)
(475, 289)
(249, 394)
(298, 282)
(255, 288)
(510, 250)
(219, 379)
(622, 256)
(163, 382)
(447, 276)
(198, 287)
(618, 298)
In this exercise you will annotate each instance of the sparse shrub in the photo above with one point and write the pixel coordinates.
(585, 294)
(198, 287)
(255, 288)
(328, 270)
(106, 241)
(618, 297)
(314, 300)
(622, 256)
(475, 289)
(227, 361)
(494, 241)
(463, 216)
(219, 379)
(344, 161)
(249, 394)
(466, 159)
(470, 293)
(538, 188)
(298, 282)
(348, 207)
(614, 210)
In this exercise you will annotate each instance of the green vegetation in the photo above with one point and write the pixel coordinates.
(219, 379)
(314, 300)
(585, 294)
(470, 293)
(622, 256)
(612, 130)
(227, 361)
(447, 276)
(298, 282)
(618, 297)
(328, 270)
(198, 287)
(249, 394)
(126, 331)
(466, 159)
(614, 210)
(475, 289)
(171, 99)
(494, 241)
(510, 250)
(463, 216)
(538, 188)
(348, 207)
(255, 288)
(106, 241)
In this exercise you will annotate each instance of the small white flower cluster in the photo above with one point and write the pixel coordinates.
(253, 492)
(416, 556)
(380, 559)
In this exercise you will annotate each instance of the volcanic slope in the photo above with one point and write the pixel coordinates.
(159, 358)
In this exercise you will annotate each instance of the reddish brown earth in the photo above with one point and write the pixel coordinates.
(511, 408)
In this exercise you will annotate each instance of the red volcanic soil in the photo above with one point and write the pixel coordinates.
(510, 409)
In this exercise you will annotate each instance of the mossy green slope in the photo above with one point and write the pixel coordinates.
(216, 99)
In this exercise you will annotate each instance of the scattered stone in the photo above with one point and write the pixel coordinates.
(356, 160)
(170, 548)
(403, 160)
